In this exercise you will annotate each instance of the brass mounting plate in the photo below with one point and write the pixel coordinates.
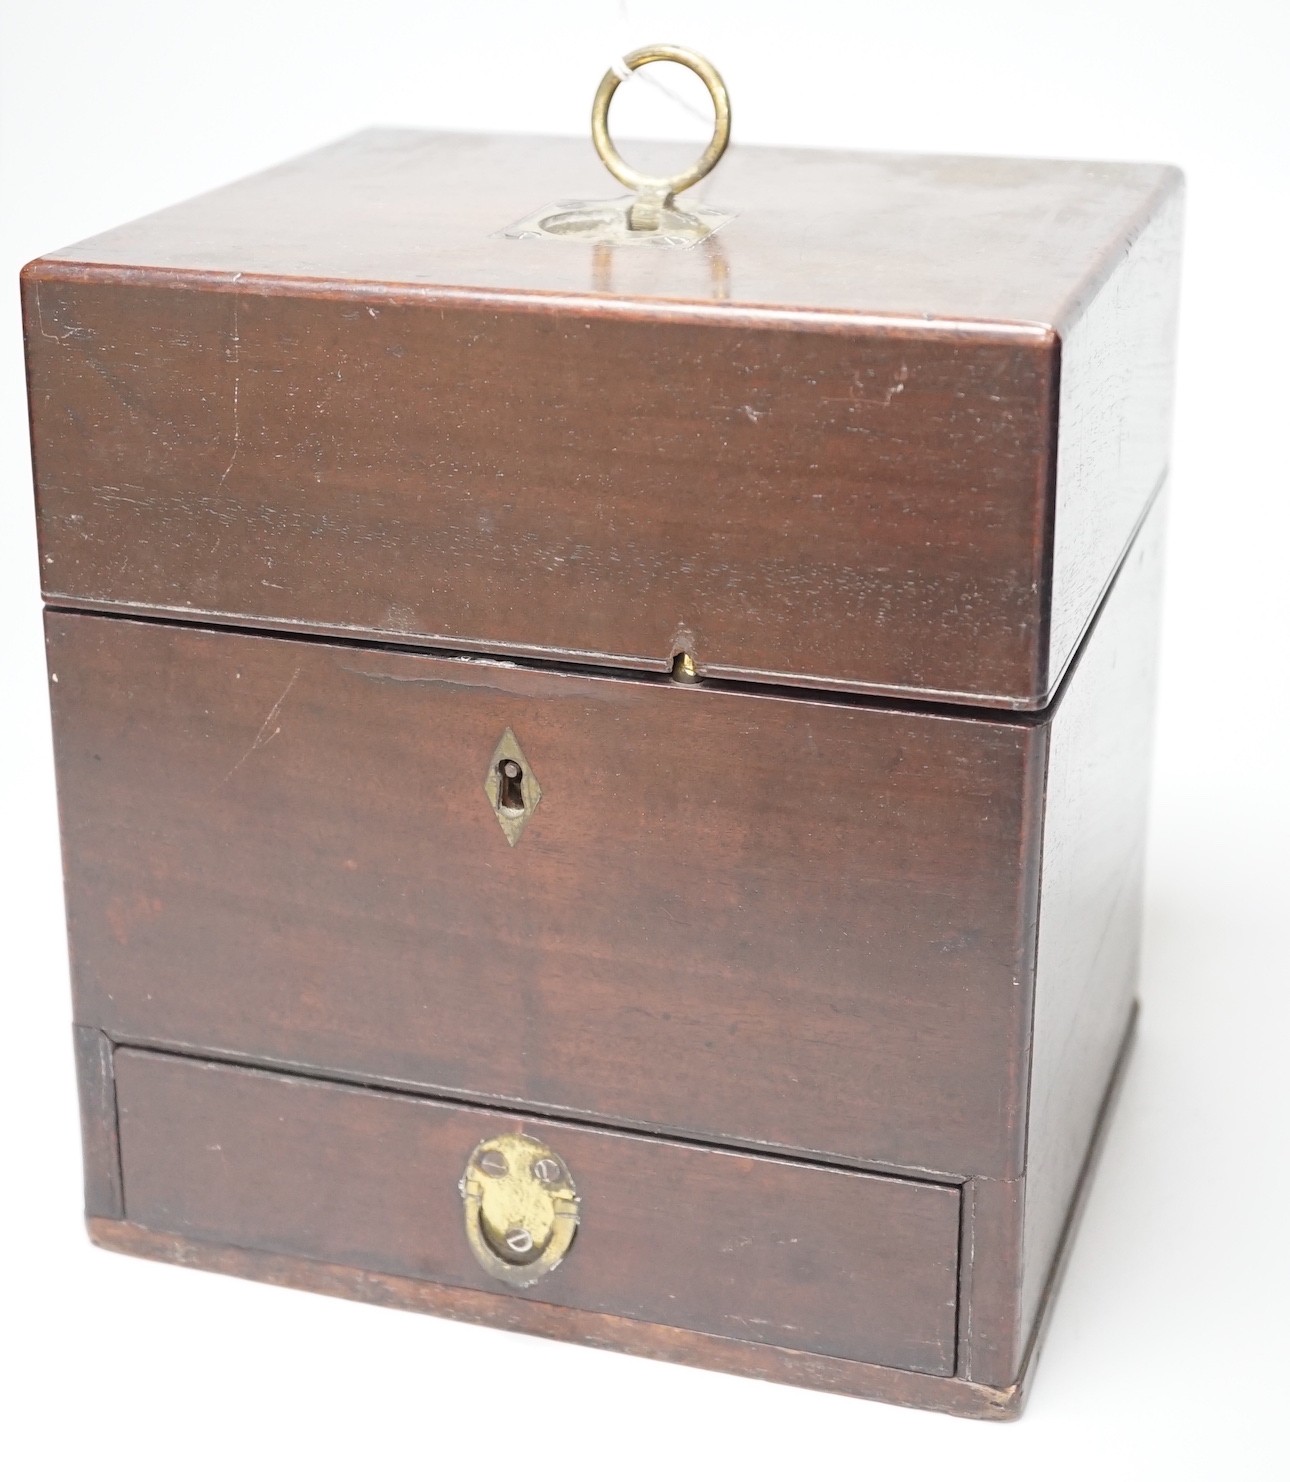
(514, 799)
(607, 223)
(521, 1208)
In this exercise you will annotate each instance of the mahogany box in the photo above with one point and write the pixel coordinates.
(602, 784)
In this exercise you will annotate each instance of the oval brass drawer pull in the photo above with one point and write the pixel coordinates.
(521, 1208)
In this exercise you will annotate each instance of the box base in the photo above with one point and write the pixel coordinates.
(596, 1330)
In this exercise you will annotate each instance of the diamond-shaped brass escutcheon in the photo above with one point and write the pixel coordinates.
(511, 787)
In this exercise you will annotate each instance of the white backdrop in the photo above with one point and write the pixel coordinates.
(1166, 1354)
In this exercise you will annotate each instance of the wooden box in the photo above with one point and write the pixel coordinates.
(603, 787)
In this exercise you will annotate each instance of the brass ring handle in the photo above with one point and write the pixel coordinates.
(520, 1206)
(661, 187)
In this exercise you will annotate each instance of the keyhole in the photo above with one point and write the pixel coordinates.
(510, 787)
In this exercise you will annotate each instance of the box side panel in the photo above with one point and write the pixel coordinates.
(848, 507)
(989, 1340)
(1093, 766)
(100, 1149)
(1116, 406)
(1091, 896)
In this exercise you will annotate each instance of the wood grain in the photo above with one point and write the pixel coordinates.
(819, 917)
(832, 1262)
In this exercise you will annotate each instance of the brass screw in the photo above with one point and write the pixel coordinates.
(547, 1171)
(519, 1240)
(494, 1164)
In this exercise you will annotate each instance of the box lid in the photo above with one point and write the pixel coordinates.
(889, 429)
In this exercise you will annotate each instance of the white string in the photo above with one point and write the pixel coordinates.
(625, 74)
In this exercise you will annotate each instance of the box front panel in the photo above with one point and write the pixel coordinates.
(742, 917)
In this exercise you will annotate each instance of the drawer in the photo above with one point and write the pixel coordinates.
(821, 1260)
(784, 922)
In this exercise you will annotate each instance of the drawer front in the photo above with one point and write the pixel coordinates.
(773, 921)
(822, 1260)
